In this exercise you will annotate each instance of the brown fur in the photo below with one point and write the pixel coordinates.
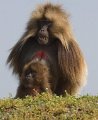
(68, 61)
(42, 80)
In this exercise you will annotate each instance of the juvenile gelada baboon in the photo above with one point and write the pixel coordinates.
(36, 78)
(49, 31)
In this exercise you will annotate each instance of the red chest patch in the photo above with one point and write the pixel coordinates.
(40, 54)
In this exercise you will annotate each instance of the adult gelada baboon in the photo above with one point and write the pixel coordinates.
(49, 31)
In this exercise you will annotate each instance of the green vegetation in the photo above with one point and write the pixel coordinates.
(48, 107)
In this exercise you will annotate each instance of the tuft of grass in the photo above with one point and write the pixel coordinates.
(50, 107)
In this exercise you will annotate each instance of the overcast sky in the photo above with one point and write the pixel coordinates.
(14, 15)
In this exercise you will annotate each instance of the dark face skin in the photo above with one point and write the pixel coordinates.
(30, 77)
(43, 34)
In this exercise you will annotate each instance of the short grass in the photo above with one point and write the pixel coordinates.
(48, 107)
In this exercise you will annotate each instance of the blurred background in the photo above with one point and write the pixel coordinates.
(14, 15)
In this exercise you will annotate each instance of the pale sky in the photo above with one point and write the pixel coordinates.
(14, 15)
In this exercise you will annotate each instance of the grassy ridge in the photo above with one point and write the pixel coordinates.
(48, 107)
